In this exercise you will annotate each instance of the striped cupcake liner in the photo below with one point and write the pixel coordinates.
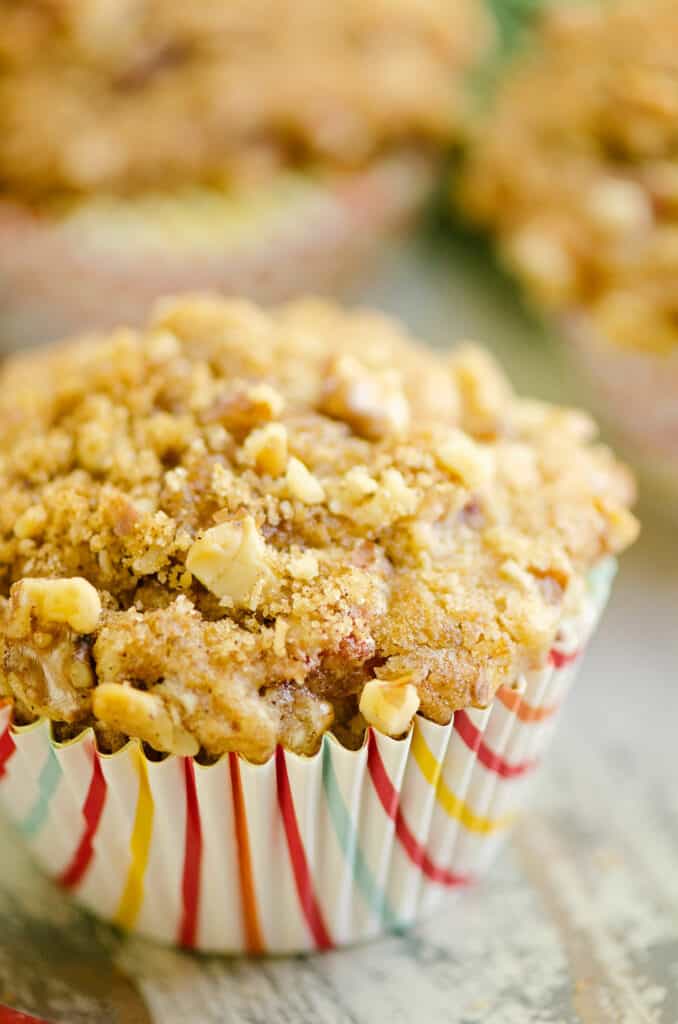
(300, 853)
(106, 261)
(637, 394)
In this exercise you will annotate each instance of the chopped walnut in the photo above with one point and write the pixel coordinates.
(231, 561)
(302, 484)
(267, 448)
(304, 566)
(470, 462)
(31, 522)
(374, 504)
(46, 662)
(483, 388)
(241, 409)
(389, 705)
(45, 602)
(542, 262)
(373, 403)
(136, 713)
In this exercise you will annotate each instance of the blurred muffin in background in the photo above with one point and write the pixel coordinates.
(255, 147)
(576, 170)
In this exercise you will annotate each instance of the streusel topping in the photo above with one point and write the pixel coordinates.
(235, 529)
(577, 168)
(156, 93)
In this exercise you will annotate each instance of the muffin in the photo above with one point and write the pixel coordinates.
(575, 171)
(260, 148)
(288, 606)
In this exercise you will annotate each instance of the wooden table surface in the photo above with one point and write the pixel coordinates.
(578, 923)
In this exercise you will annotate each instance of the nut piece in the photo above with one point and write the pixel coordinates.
(372, 403)
(622, 525)
(31, 523)
(544, 262)
(137, 713)
(389, 705)
(71, 602)
(466, 459)
(268, 402)
(302, 484)
(231, 561)
(618, 206)
(484, 391)
(266, 447)
(374, 504)
(304, 566)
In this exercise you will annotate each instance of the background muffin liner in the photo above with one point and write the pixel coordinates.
(637, 393)
(103, 261)
(300, 853)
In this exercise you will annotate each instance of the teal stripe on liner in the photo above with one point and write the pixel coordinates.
(47, 785)
(347, 837)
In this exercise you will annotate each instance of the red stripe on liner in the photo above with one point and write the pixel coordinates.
(473, 739)
(300, 869)
(10, 1016)
(389, 797)
(7, 748)
(190, 883)
(559, 659)
(92, 809)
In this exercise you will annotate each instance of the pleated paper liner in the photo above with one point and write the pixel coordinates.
(106, 261)
(636, 392)
(300, 853)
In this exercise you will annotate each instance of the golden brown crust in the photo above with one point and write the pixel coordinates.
(576, 168)
(131, 95)
(275, 509)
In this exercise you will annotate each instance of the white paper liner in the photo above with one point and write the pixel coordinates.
(298, 854)
(637, 393)
(102, 266)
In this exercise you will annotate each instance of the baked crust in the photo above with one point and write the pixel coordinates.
(272, 510)
(151, 93)
(575, 168)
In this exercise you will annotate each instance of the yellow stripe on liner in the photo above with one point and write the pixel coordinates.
(140, 844)
(449, 801)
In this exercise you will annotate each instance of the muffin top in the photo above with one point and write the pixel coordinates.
(577, 168)
(143, 93)
(234, 528)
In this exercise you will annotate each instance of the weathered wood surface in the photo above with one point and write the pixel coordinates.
(577, 925)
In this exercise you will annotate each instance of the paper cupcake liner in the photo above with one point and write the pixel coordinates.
(107, 260)
(637, 393)
(300, 853)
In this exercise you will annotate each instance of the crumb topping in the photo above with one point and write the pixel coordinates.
(234, 528)
(576, 168)
(160, 92)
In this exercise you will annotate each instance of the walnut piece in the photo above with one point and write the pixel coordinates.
(266, 447)
(302, 484)
(304, 566)
(465, 459)
(231, 561)
(31, 522)
(372, 403)
(389, 705)
(46, 661)
(145, 715)
(71, 602)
